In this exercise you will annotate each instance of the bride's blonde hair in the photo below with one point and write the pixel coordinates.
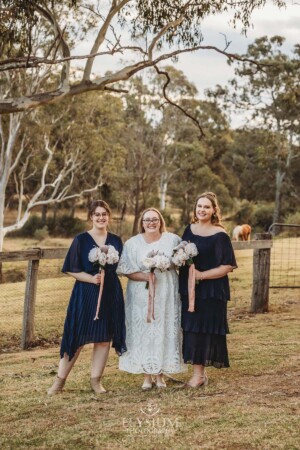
(162, 226)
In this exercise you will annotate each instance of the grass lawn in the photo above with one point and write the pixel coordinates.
(253, 405)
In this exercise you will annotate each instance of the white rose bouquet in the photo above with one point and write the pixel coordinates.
(105, 254)
(184, 253)
(154, 260)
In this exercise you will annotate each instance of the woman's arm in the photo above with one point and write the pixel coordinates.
(86, 277)
(138, 276)
(212, 274)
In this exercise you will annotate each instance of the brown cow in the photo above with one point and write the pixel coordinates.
(241, 233)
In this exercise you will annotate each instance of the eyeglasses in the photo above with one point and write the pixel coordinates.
(154, 220)
(104, 215)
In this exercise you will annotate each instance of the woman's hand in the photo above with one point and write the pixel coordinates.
(198, 275)
(139, 276)
(96, 278)
(146, 276)
(212, 274)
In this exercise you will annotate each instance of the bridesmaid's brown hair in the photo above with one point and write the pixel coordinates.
(216, 218)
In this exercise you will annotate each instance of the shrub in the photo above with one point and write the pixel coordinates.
(293, 218)
(13, 276)
(244, 213)
(262, 216)
(33, 224)
(66, 226)
(41, 233)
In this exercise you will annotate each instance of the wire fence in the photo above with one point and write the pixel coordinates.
(285, 256)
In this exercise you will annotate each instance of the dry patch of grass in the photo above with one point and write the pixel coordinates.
(252, 405)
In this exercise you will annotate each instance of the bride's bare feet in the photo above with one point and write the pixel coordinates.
(160, 382)
(147, 383)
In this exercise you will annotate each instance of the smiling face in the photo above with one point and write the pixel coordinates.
(204, 210)
(100, 218)
(151, 222)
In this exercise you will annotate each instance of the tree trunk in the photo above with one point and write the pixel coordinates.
(278, 190)
(163, 186)
(186, 212)
(55, 208)
(2, 198)
(44, 214)
(73, 209)
(136, 210)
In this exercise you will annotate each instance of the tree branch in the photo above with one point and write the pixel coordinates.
(11, 105)
(115, 8)
(168, 80)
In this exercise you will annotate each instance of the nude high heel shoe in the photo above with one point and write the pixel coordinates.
(200, 384)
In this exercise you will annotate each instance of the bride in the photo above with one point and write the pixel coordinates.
(153, 346)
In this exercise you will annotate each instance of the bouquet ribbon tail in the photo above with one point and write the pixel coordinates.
(102, 274)
(191, 287)
(151, 295)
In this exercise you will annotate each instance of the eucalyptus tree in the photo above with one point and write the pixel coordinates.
(181, 90)
(156, 31)
(199, 163)
(270, 92)
(64, 152)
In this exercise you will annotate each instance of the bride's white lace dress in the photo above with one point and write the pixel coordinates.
(154, 347)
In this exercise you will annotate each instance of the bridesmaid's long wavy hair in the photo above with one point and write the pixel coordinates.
(162, 226)
(216, 218)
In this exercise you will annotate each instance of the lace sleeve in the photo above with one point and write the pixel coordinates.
(128, 261)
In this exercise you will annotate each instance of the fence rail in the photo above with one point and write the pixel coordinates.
(260, 290)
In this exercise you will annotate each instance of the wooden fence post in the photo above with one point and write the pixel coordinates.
(29, 303)
(261, 276)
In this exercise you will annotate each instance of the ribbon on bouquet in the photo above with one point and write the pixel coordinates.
(191, 287)
(151, 295)
(102, 275)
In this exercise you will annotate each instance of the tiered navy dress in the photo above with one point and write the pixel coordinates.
(80, 327)
(204, 331)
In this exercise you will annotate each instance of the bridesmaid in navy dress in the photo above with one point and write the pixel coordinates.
(205, 329)
(80, 327)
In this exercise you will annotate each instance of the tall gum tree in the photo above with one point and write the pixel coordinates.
(271, 93)
(144, 31)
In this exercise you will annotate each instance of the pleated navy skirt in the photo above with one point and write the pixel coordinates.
(204, 333)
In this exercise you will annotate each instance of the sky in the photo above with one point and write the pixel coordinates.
(206, 69)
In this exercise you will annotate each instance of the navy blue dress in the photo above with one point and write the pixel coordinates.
(80, 327)
(204, 331)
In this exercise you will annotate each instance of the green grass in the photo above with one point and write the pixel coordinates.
(253, 405)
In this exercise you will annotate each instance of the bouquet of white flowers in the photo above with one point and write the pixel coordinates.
(154, 260)
(157, 260)
(105, 254)
(184, 253)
